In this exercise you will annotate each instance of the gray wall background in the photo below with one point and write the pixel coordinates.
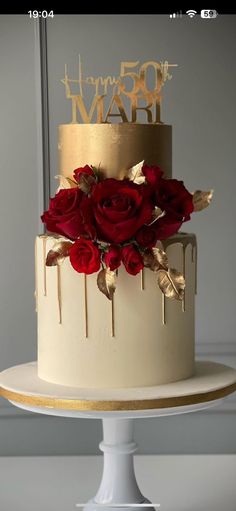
(200, 104)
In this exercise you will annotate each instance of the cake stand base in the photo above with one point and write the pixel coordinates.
(118, 408)
(118, 487)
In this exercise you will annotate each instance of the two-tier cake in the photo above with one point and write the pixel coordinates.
(115, 279)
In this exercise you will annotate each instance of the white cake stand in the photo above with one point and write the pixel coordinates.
(117, 408)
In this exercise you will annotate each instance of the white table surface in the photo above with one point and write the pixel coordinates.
(180, 483)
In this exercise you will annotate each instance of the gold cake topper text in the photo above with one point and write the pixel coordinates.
(112, 93)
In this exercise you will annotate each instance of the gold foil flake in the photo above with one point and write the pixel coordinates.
(65, 182)
(157, 213)
(59, 251)
(201, 200)
(135, 173)
(160, 245)
(155, 259)
(160, 257)
(106, 281)
(171, 283)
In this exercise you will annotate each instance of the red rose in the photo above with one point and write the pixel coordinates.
(83, 170)
(113, 257)
(85, 256)
(147, 236)
(132, 259)
(152, 174)
(172, 197)
(120, 209)
(64, 213)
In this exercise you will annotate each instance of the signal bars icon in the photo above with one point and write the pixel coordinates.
(176, 15)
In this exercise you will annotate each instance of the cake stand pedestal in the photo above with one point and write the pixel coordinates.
(118, 408)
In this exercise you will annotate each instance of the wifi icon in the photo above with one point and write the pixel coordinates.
(191, 13)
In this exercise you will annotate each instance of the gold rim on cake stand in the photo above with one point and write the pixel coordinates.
(12, 393)
(118, 408)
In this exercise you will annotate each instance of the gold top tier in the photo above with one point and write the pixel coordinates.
(114, 148)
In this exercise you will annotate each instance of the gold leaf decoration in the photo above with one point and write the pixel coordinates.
(155, 259)
(172, 283)
(106, 281)
(86, 181)
(157, 213)
(135, 173)
(161, 257)
(159, 244)
(201, 200)
(65, 182)
(59, 251)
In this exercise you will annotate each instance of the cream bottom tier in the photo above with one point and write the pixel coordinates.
(140, 338)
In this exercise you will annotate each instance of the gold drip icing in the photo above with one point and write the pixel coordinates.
(192, 258)
(181, 237)
(163, 309)
(85, 305)
(44, 265)
(142, 279)
(195, 254)
(36, 276)
(112, 318)
(184, 274)
(184, 239)
(59, 292)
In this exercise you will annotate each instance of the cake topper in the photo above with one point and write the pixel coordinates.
(111, 93)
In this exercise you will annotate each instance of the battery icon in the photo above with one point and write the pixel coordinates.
(208, 13)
